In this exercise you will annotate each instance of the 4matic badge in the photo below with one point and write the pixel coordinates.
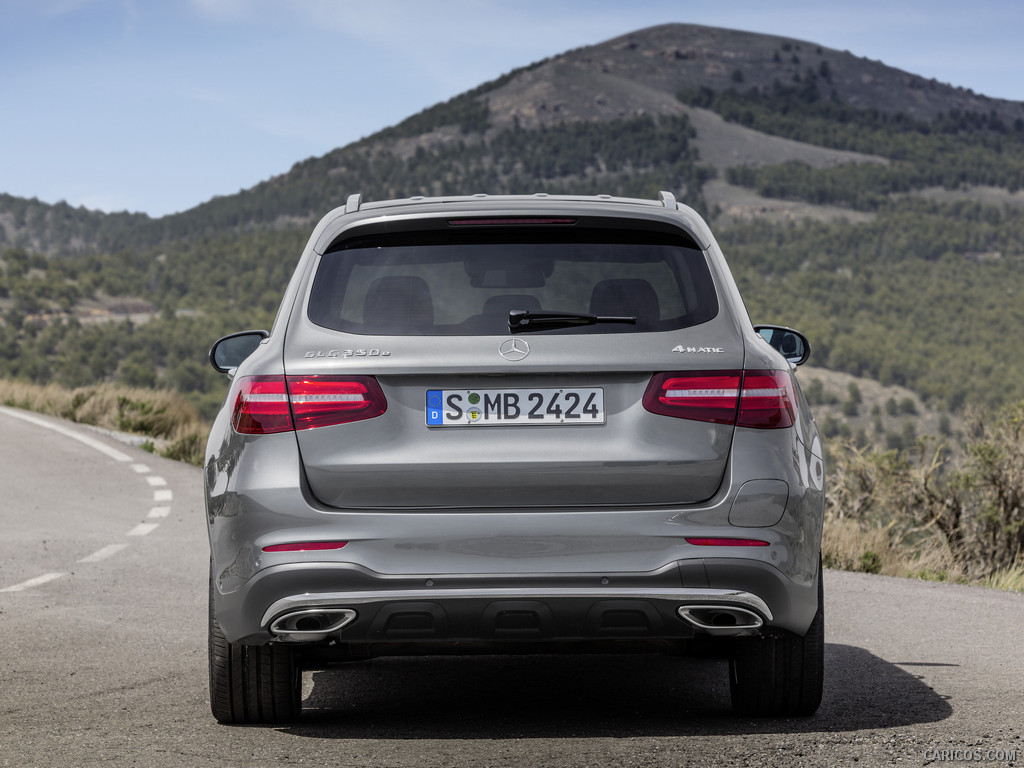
(698, 350)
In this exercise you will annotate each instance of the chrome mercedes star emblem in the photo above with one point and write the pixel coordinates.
(514, 349)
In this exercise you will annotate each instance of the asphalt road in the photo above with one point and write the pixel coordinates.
(103, 567)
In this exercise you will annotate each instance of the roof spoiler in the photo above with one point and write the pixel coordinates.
(355, 202)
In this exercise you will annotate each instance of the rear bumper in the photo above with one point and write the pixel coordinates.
(450, 579)
(356, 607)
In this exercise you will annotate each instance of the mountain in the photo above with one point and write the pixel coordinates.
(873, 208)
(636, 76)
(643, 71)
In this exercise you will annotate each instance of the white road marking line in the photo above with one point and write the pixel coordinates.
(103, 554)
(159, 495)
(103, 448)
(33, 582)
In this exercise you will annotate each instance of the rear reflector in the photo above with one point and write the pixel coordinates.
(305, 546)
(269, 404)
(760, 399)
(725, 542)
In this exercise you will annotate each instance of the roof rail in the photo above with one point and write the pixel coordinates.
(667, 199)
(353, 203)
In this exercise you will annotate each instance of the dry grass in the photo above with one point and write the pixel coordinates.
(924, 515)
(850, 545)
(1009, 579)
(172, 425)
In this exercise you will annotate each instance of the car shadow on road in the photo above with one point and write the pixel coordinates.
(499, 697)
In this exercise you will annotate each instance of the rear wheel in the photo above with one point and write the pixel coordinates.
(252, 684)
(780, 676)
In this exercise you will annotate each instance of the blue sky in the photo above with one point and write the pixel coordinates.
(159, 105)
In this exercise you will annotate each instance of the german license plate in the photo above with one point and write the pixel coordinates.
(514, 407)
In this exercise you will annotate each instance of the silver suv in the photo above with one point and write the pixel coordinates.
(513, 424)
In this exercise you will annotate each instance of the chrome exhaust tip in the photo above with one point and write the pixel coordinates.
(721, 620)
(309, 625)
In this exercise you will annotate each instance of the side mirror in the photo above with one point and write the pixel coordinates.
(791, 344)
(227, 353)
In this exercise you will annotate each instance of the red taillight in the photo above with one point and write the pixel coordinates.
(708, 541)
(767, 401)
(267, 404)
(761, 399)
(305, 546)
(261, 406)
(322, 401)
(701, 396)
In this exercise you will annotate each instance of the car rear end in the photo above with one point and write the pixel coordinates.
(523, 424)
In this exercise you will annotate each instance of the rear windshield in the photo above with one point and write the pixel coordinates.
(465, 284)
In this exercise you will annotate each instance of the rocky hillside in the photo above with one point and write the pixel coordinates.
(641, 73)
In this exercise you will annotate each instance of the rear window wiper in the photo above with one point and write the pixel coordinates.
(520, 320)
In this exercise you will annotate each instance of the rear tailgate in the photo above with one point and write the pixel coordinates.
(476, 416)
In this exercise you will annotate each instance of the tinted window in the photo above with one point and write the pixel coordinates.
(437, 284)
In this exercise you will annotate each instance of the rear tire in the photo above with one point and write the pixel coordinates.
(780, 676)
(252, 684)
